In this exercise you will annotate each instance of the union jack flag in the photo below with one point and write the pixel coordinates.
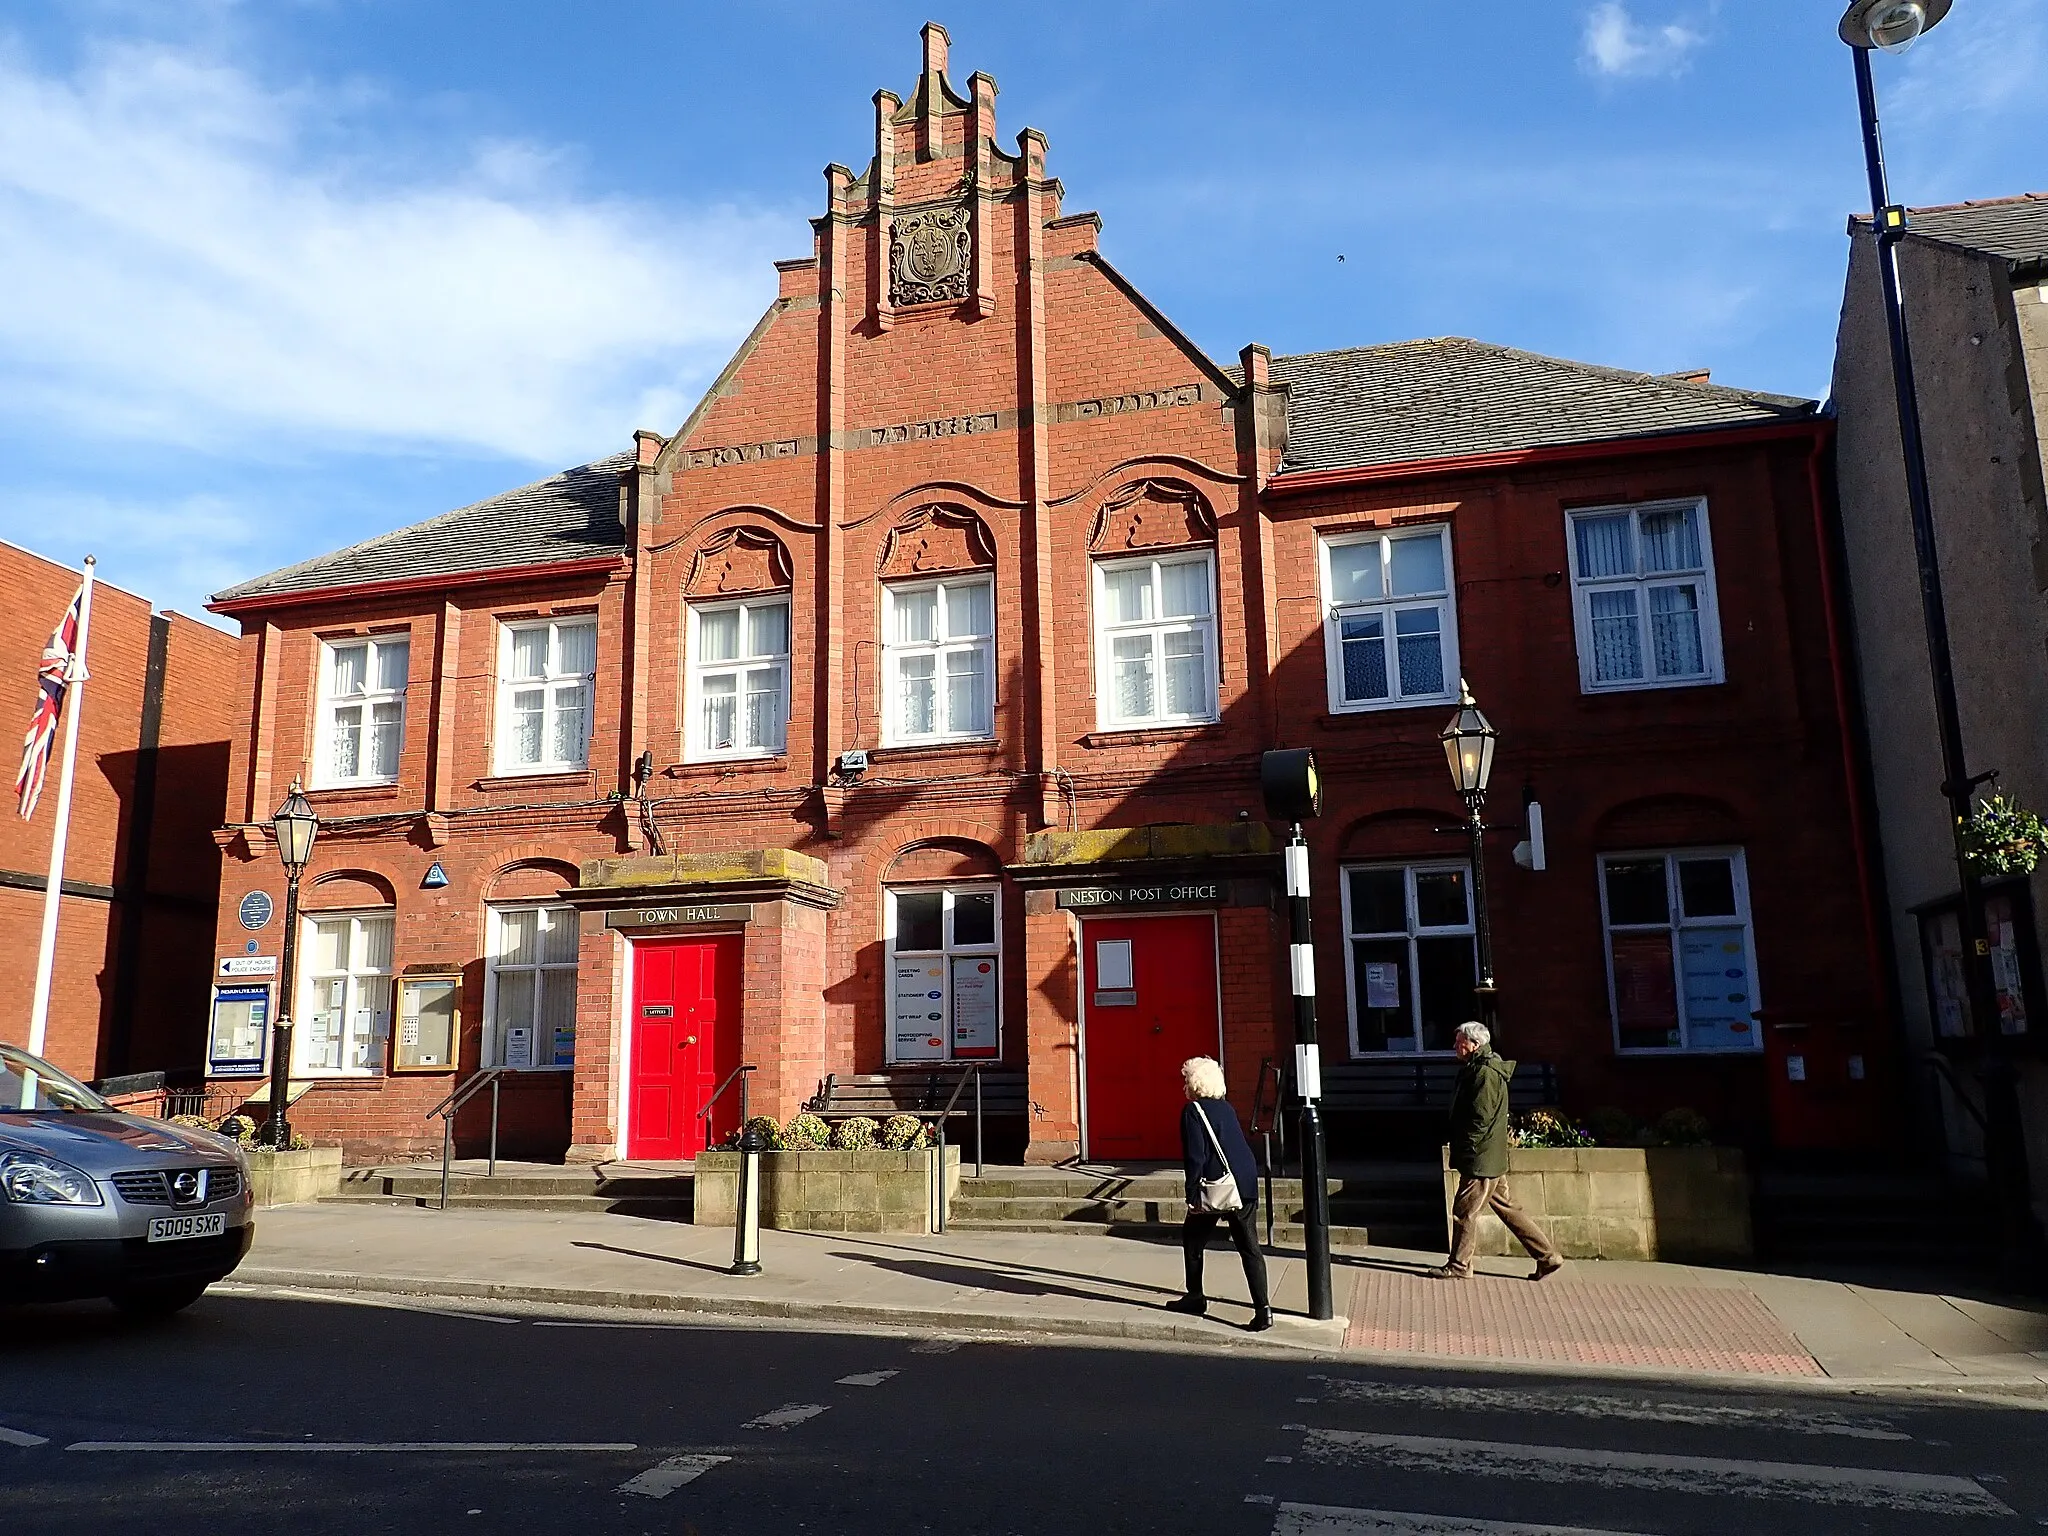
(52, 683)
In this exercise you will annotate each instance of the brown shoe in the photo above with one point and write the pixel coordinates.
(1545, 1268)
(1445, 1272)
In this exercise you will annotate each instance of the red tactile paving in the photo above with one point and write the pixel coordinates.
(1563, 1322)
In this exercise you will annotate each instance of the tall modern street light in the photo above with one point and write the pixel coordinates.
(1894, 26)
(1469, 741)
(294, 826)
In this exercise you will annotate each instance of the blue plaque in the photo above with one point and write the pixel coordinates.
(255, 910)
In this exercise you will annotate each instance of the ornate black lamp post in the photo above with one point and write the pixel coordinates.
(1469, 741)
(294, 826)
(1894, 26)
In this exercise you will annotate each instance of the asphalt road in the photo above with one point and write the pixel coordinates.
(278, 1414)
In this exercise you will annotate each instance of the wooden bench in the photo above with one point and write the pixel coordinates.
(1423, 1085)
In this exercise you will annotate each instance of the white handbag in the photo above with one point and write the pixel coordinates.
(1218, 1195)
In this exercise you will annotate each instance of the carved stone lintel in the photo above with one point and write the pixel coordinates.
(934, 539)
(1152, 513)
(930, 251)
(740, 559)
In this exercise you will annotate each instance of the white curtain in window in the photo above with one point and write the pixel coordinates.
(1130, 594)
(1187, 672)
(1185, 593)
(1131, 658)
(1418, 638)
(1606, 545)
(577, 648)
(1671, 540)
(917, 617)
(1362, 637)
(768, 630)
(718, 635)
(529, 653)
(1617, 642)
(350, 669)
(1675, 631)
(969, 611)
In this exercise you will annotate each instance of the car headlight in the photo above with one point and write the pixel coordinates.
(33, 1179)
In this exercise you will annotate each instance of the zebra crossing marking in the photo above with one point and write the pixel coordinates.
(664, 1478)
(1332, 1520)
(788, 1415)
(21, 1437)
(1600, 1406)
(1868, 1488)
(865, 1379)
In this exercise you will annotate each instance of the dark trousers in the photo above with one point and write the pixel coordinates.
(1194, 1236)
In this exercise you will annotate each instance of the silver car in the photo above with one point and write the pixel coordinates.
(94, 1202)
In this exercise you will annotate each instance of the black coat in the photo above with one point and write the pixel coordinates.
(1200, 1156)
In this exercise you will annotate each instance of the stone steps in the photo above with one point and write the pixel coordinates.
(656, 1195)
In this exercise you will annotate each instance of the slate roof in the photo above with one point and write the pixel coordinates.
(2013, 228)
(1448, 396)
(573, 515)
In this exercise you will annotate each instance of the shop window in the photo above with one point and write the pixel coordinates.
(945, 974)
(547, 674)
(1390, 633)
(362, 712)
(2015, 961)
(346, 987)
(1413, 965)
(1155, 641)
(938, 661)
(1643, 596)
(530, 992)
(1681, 966)
(739, 679)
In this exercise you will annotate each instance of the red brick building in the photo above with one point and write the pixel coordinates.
(141, 873)
(966, 506)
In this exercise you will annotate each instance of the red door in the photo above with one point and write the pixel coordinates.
(1150, 1005)
(686, 1038)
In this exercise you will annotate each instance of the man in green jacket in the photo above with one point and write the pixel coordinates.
(1479, 1151)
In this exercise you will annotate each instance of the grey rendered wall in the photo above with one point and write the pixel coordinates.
(1978, 399)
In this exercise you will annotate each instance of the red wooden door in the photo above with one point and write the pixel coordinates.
(686, 1038)
(1150, 1005)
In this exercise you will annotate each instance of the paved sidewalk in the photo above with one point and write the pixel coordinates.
(1663, 1317)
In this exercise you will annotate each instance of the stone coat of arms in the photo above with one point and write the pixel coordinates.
(928, 256)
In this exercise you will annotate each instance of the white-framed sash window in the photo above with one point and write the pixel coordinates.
(738, 698)
(1681, 959)
(945, 973)
(530, 988)
(547, 675)
(1413, 965)
(938, 660)
(362, 711)
(1643, 596)
(345, 995)
(1390, 630)
(1155, 641)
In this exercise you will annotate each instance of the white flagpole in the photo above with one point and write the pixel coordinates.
(74, 701)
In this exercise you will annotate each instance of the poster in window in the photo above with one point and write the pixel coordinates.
(427, 1015)
(2003, 933)
(1645, 991)
(1941, 932)
(917, 1009)
(1718, 995)
(1382, 984)
(519, 1046)
(977, 1006)
(241, 1028)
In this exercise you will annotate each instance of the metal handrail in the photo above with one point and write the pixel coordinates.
(973, 1070)
(447, 1108)
(711, 1103)
(1266, 1133)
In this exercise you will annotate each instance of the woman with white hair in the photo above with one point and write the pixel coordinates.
(1222, 1186)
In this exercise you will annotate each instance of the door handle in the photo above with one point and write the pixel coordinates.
(689, 1039)
(1158, 1029)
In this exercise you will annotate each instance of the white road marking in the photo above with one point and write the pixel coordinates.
(659, 1481)
(1925, 1492)
(1282, 1460)
(21, 1437)
(935, 1347)
(345, 1447)
(1328, 1520)
(1596, 1406)
(550, 1322)
(1258, 1498)
(865, 1379)
(386, 1303)
(785, 1416)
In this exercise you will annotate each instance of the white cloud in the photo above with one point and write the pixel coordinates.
(1614, 43)
(185, 264)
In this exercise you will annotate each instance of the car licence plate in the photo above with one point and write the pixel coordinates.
(172, 1229)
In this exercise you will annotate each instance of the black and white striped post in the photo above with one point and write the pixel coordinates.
(1294, 794)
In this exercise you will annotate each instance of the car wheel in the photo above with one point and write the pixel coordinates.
(159, 1300)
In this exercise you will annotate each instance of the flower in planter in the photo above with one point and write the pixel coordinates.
(903, 1133)
(806, 1132)
(2003, 837)
(1549, 1128)
(1683, 1128)
(1613, 1127)
(766, 1125)
(855, 1135)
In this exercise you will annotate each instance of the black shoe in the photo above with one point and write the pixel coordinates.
(1261, 1321)
(1193, 1306)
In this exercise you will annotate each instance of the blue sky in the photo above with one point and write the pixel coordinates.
(281, 276)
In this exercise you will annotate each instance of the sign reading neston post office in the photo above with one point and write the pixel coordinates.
(1192, 893)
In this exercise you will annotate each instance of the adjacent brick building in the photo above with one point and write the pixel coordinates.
(141, 873)
(906, 705)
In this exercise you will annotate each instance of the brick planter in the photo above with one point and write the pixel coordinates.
(828, 1191)
(1671, 1203)
(288, 1178)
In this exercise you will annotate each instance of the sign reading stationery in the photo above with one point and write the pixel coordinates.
(676, 916)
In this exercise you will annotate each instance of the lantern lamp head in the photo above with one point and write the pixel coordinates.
(295, 826)
(1469, 741)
